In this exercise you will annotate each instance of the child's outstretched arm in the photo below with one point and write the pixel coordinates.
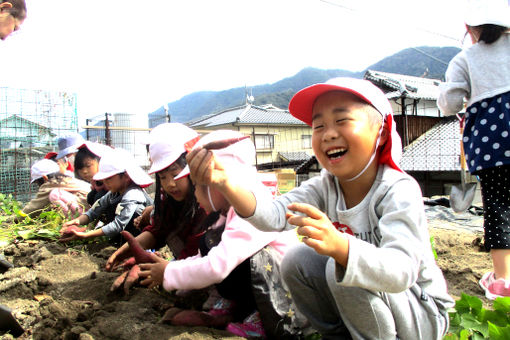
(319, 233)
(206, 170)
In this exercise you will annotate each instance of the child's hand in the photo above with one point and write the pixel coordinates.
(115, 260)
(204, 168)
(72, 235)
(75, 222)
(153, 273)
(144, 219)
(318, 232)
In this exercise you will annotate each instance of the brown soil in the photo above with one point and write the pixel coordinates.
(60, 293)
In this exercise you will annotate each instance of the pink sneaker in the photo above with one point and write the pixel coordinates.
(494, 288)
(250, 328)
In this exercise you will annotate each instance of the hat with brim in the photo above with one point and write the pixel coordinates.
(117, 161)
(41, 168)
(96, 148)
(165, 151)
(69, 144)
(301, 107)
(482, 12)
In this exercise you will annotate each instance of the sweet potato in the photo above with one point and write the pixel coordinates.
(141, 256)
(132, 278)
(221, 144)
(118, 281)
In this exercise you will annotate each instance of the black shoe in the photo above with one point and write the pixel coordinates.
(8, 323)
(4, 264)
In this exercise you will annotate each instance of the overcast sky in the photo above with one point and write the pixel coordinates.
(134, 56)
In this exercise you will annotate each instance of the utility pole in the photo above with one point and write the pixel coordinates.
(87, 130)
(108, 140)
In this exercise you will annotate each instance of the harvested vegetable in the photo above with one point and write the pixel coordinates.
(221, 144)
(138, 252)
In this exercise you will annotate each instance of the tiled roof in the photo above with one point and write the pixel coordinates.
(414, 87)
(247, 114)
(294, 156)
(438, 149)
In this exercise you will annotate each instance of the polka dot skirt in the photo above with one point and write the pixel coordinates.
(495, 184)
(487, 133)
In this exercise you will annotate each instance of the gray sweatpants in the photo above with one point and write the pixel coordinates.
(339, 312)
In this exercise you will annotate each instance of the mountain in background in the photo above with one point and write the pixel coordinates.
(429, 62)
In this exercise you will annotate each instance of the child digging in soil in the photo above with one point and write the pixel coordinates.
(241, 261)
(177, 217)
(365, 268)
(481, 75)
(124, 201)
(56, 189)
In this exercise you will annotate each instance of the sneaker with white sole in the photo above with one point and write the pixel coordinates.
(494, 288)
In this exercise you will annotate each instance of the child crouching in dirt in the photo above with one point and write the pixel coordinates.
(365, 268)
(177, 217)
(124, 201)
(56, 189)
(241, 261)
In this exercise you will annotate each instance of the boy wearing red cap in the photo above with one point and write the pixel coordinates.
(365, 268)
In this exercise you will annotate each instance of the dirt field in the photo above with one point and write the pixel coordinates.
(58, 293)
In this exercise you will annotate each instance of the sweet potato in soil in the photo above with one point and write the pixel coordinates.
(60, 293)
(141, 256)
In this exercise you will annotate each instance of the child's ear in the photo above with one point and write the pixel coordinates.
(5, 6)
(385, 133)
(45, 178)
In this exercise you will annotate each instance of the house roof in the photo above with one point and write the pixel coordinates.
(246, 114)
(25, 121)
(396, 85)
(294, 156)
(438, 149)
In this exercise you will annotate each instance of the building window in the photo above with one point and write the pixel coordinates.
(306, 141)
(264, 141)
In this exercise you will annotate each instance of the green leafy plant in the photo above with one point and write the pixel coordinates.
(470, 320)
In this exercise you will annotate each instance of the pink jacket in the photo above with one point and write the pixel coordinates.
(239, 241)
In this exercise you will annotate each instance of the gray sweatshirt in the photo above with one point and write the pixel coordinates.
(123, 207)
(389, 243)
(479, 72)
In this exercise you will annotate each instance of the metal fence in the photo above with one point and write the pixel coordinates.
(31, 121)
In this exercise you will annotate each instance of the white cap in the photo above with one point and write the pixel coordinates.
(97, 149)
(165, 151)
(41, 168)
(481, 12)
(116, 161)
(69, 144)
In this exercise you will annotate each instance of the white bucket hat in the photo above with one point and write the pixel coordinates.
(117, 161)
(69, 144)
(301, 107)
(41, 168)
(165, 151)
(481, 12)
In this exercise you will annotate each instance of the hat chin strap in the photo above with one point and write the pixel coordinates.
(210, 199)
(371, 157)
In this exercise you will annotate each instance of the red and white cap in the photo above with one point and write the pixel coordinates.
(301, 107)
(116, 161)
(43, 167)
(481, 12)
(165, 151)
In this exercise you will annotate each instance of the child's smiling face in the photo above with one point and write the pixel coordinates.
(344, 135)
